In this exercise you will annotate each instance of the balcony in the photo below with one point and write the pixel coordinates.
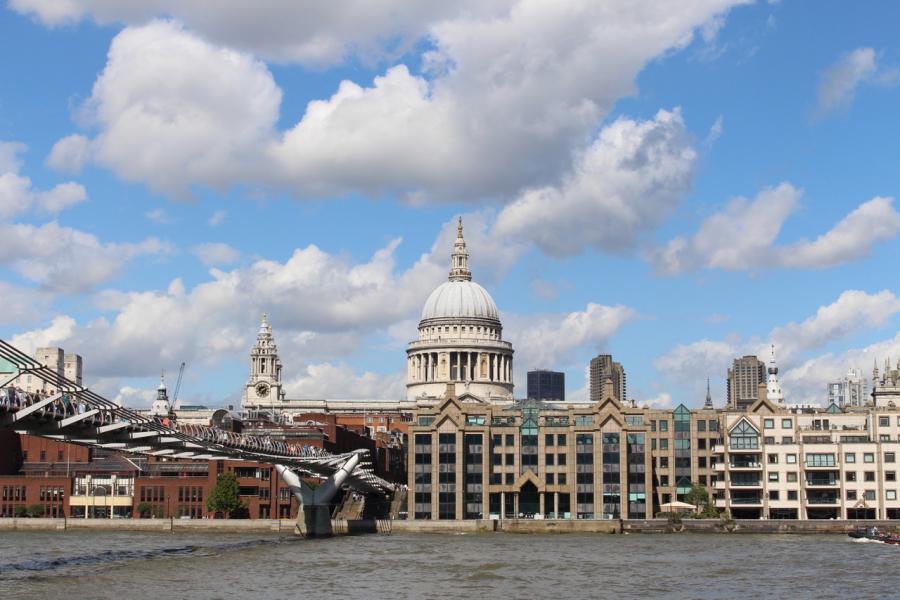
(824, 482)
(718, 449)
(821, 466)
(745, 466)
(823, 501)
(746, 501)
(719, 467)
(747, 484)
(719, 485)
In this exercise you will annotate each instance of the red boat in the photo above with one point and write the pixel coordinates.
(873, 535)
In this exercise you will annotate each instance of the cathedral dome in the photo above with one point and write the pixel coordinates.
(460, 299)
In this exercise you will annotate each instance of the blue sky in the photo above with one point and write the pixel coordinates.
(676, 186)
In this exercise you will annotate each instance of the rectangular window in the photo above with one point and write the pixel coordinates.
(652, 425)
(869, 476)
(850, 476)
(768, 423)
(663, 444)
(510, 478)
(769, 439)
(653, 443)
(663, 480)
(548, 459)
(869, 495)
(787, 439)
(883, 437)
(820, 460)
(792, 477)
(851, 494)
(889, 457)
(792, 494)
(890, 476)
(890, 494)
(561, 459)
(787, 424)
(791, 459)
(510, 459)
(560, 439)
(548, 439)
(701, 462)
(849, 457)
(497, 439)
(561, 478)
(868, 457)
(701, 444)
(663, 462)
(773, 495)
(773, 459)
(701, 425)
(884, 421)
(713, 425)
(773, 476)
(663, 425)
(510, 439)
(549, 478)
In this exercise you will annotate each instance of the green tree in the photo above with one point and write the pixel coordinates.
(35, 510)
(225, 497)
(144, 509)
(698, 496)
(21, 511)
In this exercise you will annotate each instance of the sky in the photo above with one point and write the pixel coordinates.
(676, 184)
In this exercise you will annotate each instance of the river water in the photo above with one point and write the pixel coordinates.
(138, 566)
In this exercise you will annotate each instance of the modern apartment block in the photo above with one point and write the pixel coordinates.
(744, 378)
(826, 464)
(603, 367)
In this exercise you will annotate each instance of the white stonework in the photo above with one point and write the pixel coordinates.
(264, 390)
(460, 340)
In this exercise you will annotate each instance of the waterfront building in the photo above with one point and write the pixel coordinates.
(68, 365)
(744, 378)
(850, 390)
(546, 385)
(603, 367)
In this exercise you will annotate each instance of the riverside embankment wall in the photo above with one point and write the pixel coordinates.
(286, 526)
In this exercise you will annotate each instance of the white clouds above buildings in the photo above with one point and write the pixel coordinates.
(839, 82)
(743, 236)
(803, 376)
(488, 117)
(216, 253)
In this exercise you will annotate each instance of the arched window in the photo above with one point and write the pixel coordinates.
(743, 436)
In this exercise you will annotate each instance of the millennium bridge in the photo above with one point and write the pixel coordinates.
(77, 415)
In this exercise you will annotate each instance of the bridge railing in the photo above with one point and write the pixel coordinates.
(74, 400)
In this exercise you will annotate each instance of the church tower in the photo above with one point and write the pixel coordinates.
(263, 390)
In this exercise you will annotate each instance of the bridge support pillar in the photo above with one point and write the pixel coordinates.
(314, 516)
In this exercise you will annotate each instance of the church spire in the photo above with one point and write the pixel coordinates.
(708, 396)
(773, 387)
(459, 259)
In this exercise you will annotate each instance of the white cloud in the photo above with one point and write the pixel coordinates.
(551, 340)
(216, 254)
(70, 154)
(742, 236)
(18, 195)
(326, 380)
(21, 304)
(662, 400)
(59, 330)
(134, 397)
(304, 31)
(67, 260)
(340, 304)
(173, 110)
(839, 82)
(503, 104)
(159, 216)
(627, 182)
(217, 218)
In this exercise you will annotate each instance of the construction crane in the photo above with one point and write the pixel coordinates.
(175, 395)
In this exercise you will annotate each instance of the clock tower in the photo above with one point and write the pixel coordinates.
(264, 391)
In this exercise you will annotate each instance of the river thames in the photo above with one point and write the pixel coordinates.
(137, 566)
